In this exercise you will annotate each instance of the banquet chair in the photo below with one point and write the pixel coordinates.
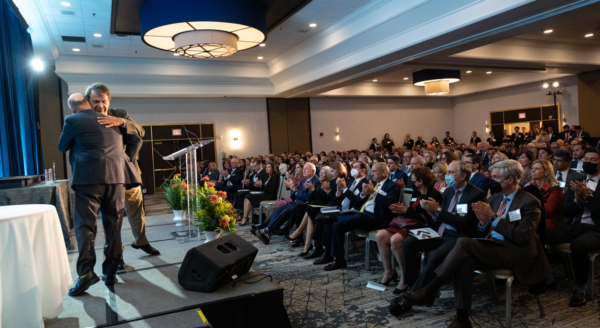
(509, 275)
(265, 203)
(566, 249)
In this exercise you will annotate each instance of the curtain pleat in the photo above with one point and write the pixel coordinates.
(18, 122)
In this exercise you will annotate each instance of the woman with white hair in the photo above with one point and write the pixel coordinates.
(429, 158)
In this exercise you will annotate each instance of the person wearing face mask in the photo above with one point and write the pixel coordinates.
(509, 224)
(452, 219)
(582, 208)
(347, 194)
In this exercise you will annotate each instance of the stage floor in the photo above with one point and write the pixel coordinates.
(312, 297)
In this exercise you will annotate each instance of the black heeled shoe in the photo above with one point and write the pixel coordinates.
(399, 291)
(394, 278)
(292, 239)
(303, 254)
(245, 223)
(298, 242)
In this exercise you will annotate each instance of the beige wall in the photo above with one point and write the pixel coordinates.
(471, 111)
(362, 118)
(588, 88)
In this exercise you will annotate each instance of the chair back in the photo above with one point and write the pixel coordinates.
(406, 196)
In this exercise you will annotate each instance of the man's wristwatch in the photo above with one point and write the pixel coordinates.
(438, 211)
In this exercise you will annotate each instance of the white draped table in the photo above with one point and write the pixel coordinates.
(34, 268)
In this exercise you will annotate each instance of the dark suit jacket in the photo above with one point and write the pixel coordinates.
(475, 140)
(584, 135)
(382, 203)
(301, 195)
(235, 177)
(553, 136)
(574, 164)
(97, 155)
(571, 176)
(521, 237)
(496, 141)
(505, 138)
(409, 144)
(464, 224)
(399, 174)
(481, 181)
(213, 175)
(271, 188)
(262, 176)
(420, 214)
(448, 140)
(563, 135)
(352, 195)
(517, 138)
(423, 143)
(131, 128)
(571, 208)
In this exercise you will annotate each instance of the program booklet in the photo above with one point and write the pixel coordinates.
(424, 233)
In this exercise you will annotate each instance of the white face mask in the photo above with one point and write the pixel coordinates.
(354, 173)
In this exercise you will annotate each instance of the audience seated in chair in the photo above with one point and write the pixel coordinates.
(582, 207)
(480, 181)
(508, 222)
(269, 185)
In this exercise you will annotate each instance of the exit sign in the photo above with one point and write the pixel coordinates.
(176, 132)
(521, 115)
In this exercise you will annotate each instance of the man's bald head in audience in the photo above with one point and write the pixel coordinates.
(77, 103)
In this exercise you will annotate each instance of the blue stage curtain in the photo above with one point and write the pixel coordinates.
(18, 123)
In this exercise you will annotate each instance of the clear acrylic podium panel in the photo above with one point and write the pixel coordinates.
(187, 157)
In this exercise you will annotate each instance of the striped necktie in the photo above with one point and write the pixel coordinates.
(362, 209)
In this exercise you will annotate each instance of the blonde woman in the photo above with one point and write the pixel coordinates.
(213, 172)
(498, 157)
(439, 171)
(429, 157)
(542, 176)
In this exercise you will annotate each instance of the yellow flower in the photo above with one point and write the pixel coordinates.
(212, 190)
(201, 213)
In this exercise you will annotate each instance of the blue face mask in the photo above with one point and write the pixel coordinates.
(450, 181)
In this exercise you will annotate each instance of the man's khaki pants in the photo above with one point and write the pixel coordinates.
(134, 207)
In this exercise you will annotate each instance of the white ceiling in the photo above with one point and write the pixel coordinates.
(91, 17)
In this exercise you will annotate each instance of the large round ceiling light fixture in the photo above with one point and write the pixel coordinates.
(436, 81)
(203, 28)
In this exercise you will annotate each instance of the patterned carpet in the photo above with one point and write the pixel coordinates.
(316, 298)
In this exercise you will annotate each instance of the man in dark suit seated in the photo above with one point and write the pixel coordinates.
(566, 134)
(421, 142)
(454, 218)
(101, 171)
(552, 134)
(475, 139)
(233, 180)
(581, 134)
(578, 154)
(582, 205)
(347, 194)
(561, 160)
(396, 174)
(284, 213)
(374, 212)
(257, 174)
(479, 180)
(508, 222)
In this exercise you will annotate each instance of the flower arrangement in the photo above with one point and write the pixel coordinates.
(213, 212)
(175, 193)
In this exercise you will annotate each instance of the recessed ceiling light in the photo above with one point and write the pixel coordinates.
(37, 64)
(175, 54)
(589, 35)
(76, 49)
(548, 31)
(555, 84)
(260, 57)
(312, 24)
(262, 44)
(488, 72)
(545, 85)
(405, 78)
(65, 4)
(375, 80)
(98, 35)
(469, 72)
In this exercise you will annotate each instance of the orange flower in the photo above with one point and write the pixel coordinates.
(174, 186)
(184, 185)
(210, 185)
(222, 194)
(214, 198)
(205, 179)
(223, 222)
(178, 175)
(231, 213)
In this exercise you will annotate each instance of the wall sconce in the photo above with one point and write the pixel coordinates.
(235, 139)
(487, 127)
(564, 119)
(337, 134)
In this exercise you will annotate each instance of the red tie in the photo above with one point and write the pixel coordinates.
(450, 209)
(499, 214)
(567, 136)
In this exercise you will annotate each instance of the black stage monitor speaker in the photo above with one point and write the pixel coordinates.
(209, 266)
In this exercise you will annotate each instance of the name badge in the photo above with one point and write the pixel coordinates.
(414, 199)
(514, 215)
(383, 193)
(462, 208)
(562, 184)
(442, 190)
(592, 185)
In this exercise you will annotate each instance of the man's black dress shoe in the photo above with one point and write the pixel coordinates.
(324, 259)
(264, 238)
(109, 279)
(121, 265)
(339, 264)
(147, 248)
(578, 299)
(399, 306)
(419, 298)
(83, 284)
(315, 254)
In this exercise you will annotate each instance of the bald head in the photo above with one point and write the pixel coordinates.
(77, 103)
